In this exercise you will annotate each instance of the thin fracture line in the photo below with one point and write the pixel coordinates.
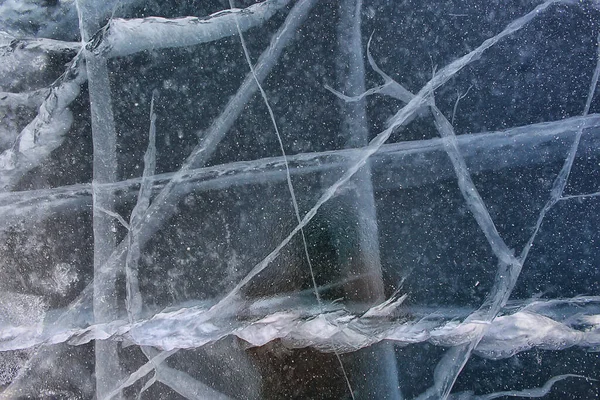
(133, 295)
(533, 392)
(580, 196)
(285, 160)
(290, 187)
(113, 214)
(561, 180)
(459, 97)
(469, 190)
(141, 372)
(444, 74)
(235, 173)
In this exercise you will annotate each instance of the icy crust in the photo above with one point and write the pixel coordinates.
(25, 61)
(298, 324)
(45, 133)
(127, 36)
(52, 19)
(15, 109)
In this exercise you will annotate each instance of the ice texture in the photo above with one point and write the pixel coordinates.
(299, 199)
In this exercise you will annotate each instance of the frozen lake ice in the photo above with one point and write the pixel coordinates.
(279, 199)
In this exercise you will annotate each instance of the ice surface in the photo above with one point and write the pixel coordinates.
(331, 327)
(525, 393)
(123, 37)
(45, 133)
(299, 199)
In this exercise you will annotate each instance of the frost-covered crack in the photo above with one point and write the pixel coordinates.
(122, 37)
(544, 324)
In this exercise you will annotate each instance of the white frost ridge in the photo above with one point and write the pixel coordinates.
(127, 36)
(551, 325)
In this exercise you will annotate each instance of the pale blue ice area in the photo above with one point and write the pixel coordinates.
(299, 199)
